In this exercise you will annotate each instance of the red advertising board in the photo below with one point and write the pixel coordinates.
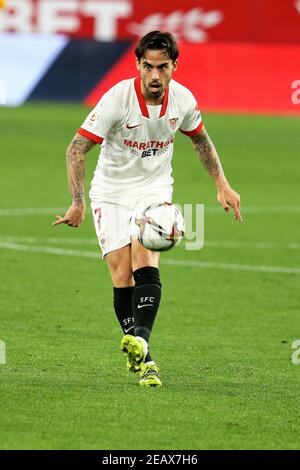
(228, 77)
(193, 21)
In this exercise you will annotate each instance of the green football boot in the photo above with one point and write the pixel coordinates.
(150, 375)
(135, 351)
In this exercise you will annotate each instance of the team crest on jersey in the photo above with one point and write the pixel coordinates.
(173, 123)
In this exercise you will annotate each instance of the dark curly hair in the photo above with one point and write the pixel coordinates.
(156, 40)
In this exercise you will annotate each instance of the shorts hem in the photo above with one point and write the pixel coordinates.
(114, 248)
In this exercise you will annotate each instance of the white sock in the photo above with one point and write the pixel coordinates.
(144, 343)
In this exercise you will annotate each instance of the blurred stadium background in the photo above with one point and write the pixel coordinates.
(230, 315)
(246, 54)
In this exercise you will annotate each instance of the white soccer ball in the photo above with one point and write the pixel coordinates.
(160, 227)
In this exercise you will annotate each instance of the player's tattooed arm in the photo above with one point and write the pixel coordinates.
(76, 152)
(208, 155)
(75, 156)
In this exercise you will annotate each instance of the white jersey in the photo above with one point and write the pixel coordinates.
(137, 139)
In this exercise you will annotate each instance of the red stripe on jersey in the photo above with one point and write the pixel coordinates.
(90, 135)
(141, 99)
(142, 102)
(164, 103)
(194, 132)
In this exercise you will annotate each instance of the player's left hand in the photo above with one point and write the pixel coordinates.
(228, 198)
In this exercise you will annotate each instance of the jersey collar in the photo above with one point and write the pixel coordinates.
(142, 102)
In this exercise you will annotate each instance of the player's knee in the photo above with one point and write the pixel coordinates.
(145, 258)
(146, 275)
(122, 277)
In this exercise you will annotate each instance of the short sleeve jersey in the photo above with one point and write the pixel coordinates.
(137, 139)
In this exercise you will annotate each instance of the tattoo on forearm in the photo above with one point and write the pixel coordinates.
(207, 153)
(76, 166)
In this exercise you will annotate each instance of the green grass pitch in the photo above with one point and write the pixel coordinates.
(224, 333)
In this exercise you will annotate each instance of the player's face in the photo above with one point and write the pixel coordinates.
(156, 70)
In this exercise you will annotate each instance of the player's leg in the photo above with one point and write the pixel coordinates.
(146, 299)
(147, 290)
(119, 264)
(111, 224)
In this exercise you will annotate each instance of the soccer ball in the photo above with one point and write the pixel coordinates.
(160, 227)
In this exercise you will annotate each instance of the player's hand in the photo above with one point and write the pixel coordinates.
(73, 217)
(228, 198)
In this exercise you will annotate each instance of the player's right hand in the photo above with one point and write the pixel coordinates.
(73, 217)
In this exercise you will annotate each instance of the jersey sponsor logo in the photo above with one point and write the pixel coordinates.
(133, 127)
(150, 148)
(146, 145)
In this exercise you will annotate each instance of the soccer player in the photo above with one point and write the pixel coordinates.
(135, 123)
